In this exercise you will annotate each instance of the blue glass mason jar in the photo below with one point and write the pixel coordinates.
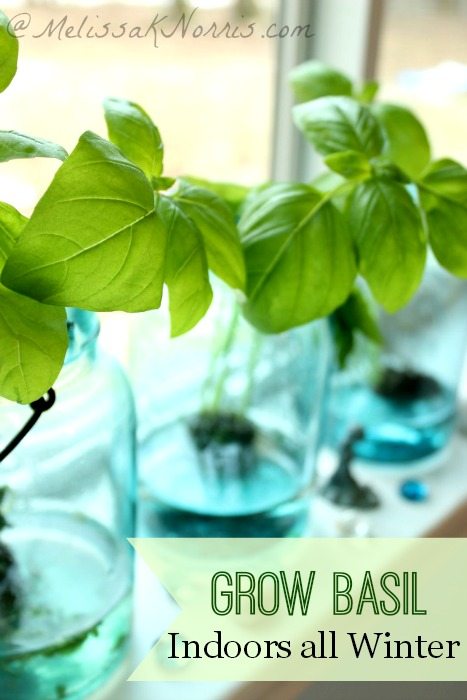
(229, 424)
(404, 393)
(67, 507)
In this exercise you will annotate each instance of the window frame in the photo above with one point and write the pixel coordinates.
(355, 52)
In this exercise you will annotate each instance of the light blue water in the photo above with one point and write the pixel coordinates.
(230, 494)
(395, 430)
(75, 610)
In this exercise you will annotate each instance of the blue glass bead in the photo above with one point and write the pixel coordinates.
(416, 491)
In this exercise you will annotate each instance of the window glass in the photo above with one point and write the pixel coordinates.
(212, 98)
(423, 63)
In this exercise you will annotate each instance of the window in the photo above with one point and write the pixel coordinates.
(212, 98)
(423, 63)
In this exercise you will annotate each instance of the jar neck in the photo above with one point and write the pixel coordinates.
(83, 330)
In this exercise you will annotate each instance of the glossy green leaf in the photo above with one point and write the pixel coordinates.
(368, 92)
(335, 187)
(353, 317)
(8, 52)
(350, 164)
(34, 340)
(314, 79)
(14, 146)
(93, 240)
(230, 192)
(327, 181)
(215, 221)
(337, 124)
(406, 141)
(186, 275)
(11, 225)
(443, 195)
(384, 168)
(162, 183)
(360, 316)
(135, 134)
(33, 336)
(299, 257)
(447, 178)
(388, 232)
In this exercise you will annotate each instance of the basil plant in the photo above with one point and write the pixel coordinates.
(395, 201)
(112, 230)
(109, 234)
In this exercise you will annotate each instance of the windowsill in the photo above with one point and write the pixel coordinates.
(395, 518)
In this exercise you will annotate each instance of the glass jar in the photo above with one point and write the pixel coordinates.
(404, 393)
(68, 503)
(230, 423)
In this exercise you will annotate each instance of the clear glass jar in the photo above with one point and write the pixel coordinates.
(404, 394)
(65, 565)
(230, 423)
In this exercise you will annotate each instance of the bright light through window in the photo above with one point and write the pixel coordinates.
(212, 98)
(423, 62)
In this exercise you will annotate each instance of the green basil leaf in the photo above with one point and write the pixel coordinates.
(8, 53)
(11, 225)
(163, 183)
(186, 275)
(93, 240)
(14, 146)
(314, 79)
(368, 92)
(336, 124)
(407, 144)
(384, 168)
(231, 193)
(335, 187)
(327, 181)
(353, 317)
(350, 164)
(299, 257)
(447, 178)
(34, 341)
(214, 220)
(135, 134)
(343, 338)
(360, 316)
(388, 232)
(443, 196)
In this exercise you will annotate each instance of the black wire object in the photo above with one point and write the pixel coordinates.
(38, 408)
